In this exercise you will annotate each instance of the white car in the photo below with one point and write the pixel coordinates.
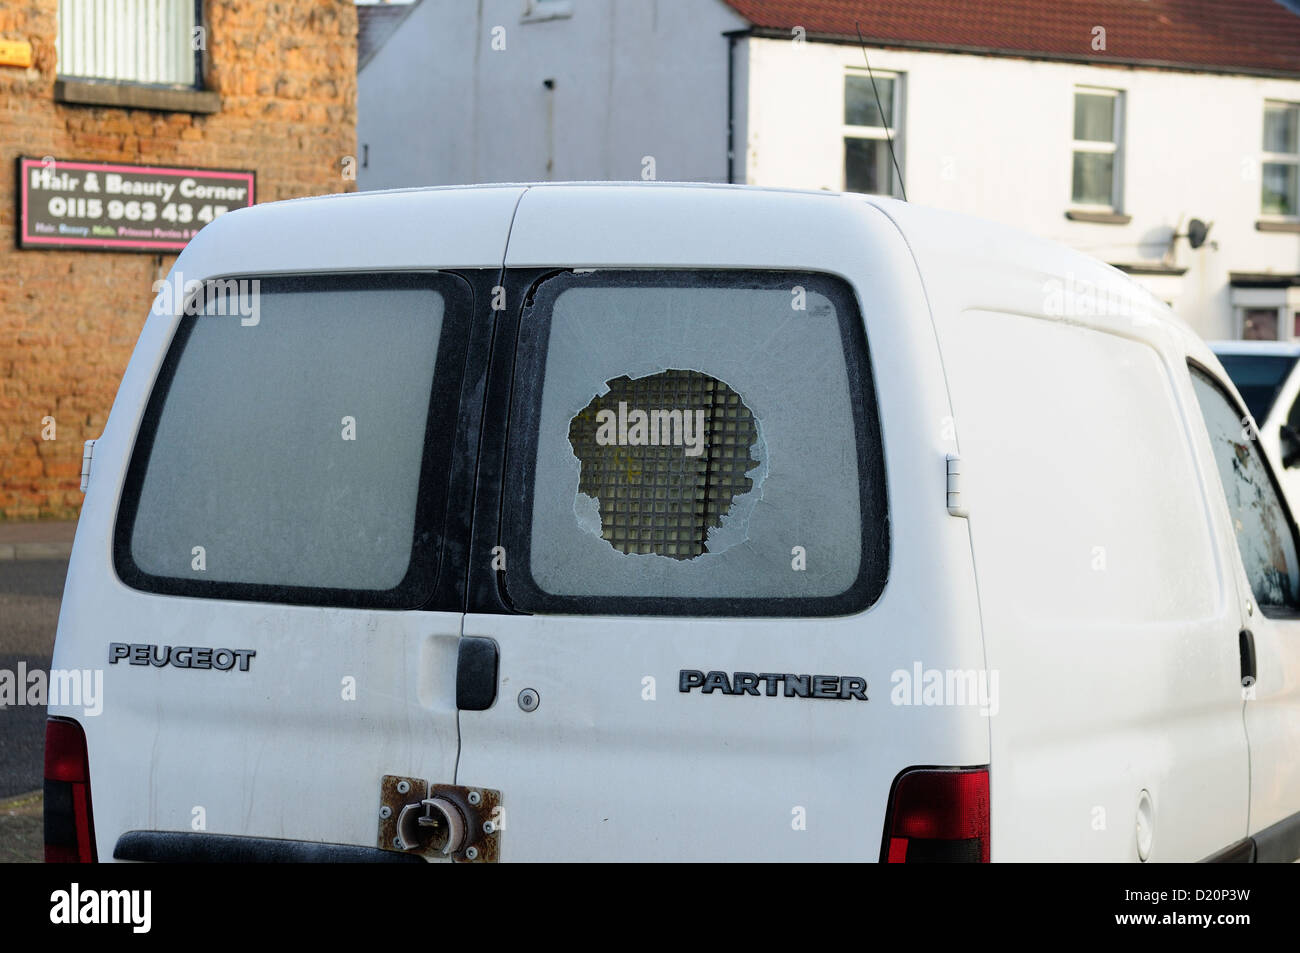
(663, 522)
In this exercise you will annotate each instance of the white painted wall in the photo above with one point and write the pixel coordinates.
(438, 105)
(990, 136)
(413, 107)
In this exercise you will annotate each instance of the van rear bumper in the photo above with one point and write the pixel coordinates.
(1276, 844)
(186, 847)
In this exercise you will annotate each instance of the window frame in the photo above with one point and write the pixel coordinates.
(1284, 300)
(1240, 311)
(1281, 158)
(1195, 368)
(1114, 148)
(425, 569)
(200, 63)
(891, 133)
(516, 587)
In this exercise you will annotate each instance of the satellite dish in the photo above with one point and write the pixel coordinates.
(1197, 232)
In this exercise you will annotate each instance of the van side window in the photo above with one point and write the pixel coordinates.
(283, 457)
(1259, 517)
(703, 442)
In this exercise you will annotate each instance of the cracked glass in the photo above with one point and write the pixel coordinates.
(694, 440)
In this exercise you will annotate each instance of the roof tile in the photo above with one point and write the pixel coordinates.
(1251, 35)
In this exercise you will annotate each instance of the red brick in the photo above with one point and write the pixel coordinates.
(69, 320)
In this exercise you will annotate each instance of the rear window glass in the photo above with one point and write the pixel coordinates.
(695, 442)
(283, 454)
(1258, 378)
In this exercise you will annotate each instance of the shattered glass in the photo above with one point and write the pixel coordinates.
(789, 482)
(657, 484)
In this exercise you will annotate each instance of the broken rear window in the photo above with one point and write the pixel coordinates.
(694, 442)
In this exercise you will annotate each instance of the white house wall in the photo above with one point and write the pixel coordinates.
(438, 105)
(991, 136)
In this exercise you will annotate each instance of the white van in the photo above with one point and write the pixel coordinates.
(664, 522)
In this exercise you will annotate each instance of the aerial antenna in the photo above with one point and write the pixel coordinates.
(889, 138)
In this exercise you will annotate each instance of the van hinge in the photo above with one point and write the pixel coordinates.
(87, 452)
(956, 506)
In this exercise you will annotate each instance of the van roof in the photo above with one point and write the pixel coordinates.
(577, 183)
(985, 264)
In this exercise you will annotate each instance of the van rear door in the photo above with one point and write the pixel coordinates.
(685, 568)
(283, 628)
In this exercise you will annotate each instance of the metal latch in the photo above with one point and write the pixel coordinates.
(956, 506)
(440, 820)
(87, 451)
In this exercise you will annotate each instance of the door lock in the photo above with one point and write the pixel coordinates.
(440, 820)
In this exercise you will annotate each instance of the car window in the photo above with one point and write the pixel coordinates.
(1258, 377)
(698, 438)
(283, 454)
(1260, 520)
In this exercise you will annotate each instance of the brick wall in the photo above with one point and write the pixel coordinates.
(286, 75)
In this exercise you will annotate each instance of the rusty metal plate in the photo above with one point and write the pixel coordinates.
(393, 799)
(487, 845)
(477, 811)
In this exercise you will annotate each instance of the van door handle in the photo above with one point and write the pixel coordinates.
(476, 673)
(1247, 643)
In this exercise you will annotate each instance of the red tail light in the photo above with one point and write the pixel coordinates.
(69, 824)
(938, 815)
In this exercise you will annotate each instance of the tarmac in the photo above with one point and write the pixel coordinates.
(21, 831)
(39, 539)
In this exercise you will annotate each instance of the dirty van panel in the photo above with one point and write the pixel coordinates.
(281, 529)
(695, 518)
(1093, 544)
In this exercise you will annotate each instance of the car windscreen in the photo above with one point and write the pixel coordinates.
(1259, 377)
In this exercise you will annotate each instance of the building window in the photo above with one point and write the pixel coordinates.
(1266, 313)
(1260, 324)
(871, 118)
(157, 42)
(1098, 148)
(1280, 194)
